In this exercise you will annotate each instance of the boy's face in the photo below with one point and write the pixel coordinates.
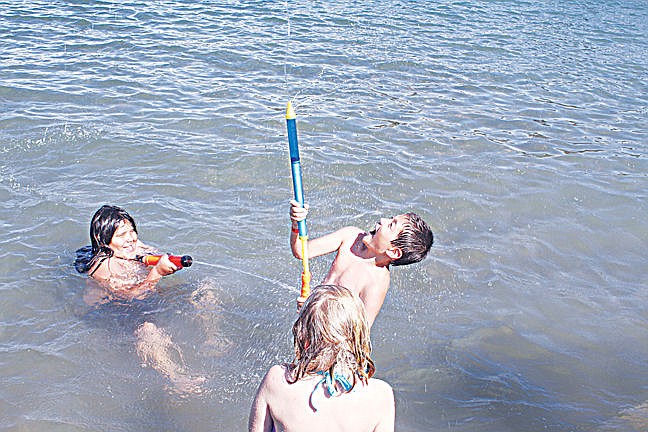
(124, 241)
(387, 229)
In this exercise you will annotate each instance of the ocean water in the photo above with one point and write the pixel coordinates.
(517, 129)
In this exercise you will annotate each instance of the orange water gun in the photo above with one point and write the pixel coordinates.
(178, 261)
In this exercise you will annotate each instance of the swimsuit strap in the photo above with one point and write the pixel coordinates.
(331, 387)
(331, 382)
(310, 399)
(98, 265)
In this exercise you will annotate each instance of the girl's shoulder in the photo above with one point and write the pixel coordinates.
(279, 374)
(118, 274)
(380, 392)
(100, 271)
(275, 381)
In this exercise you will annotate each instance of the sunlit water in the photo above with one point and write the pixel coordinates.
(517, 129)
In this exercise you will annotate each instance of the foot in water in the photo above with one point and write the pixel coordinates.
(156, 349)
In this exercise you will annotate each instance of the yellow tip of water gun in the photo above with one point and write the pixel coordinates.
(290, 112)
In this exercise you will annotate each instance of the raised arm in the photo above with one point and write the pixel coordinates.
(164, 267)
(320, 246)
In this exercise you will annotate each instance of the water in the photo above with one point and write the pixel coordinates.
(517, 129)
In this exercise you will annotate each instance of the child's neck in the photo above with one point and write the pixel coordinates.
(361, 250)
(382, 260)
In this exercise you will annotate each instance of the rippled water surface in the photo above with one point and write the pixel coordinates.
(517, 129)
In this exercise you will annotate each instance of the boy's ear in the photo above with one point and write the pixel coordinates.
(394, 253)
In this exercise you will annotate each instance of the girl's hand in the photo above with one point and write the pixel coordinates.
(164, 267)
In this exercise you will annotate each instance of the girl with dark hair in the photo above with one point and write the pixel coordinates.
(112, 257)
(112, 260)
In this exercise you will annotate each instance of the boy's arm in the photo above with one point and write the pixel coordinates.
(321, 245)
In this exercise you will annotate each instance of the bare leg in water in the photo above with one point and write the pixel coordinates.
(156, 349)
(209, 311)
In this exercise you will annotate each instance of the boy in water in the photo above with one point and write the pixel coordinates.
(112, 261)
(363, 258)
(329, 385)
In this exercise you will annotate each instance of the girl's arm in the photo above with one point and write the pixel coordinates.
(115, 277)
(386, 408)
(164, 267)
(260, 418)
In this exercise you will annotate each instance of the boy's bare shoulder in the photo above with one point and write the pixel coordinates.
(350, 232)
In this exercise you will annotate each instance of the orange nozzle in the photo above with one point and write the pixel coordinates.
(178, 261)
(305, 289)
(306, 278)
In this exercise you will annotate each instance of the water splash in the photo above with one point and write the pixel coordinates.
(258, 276)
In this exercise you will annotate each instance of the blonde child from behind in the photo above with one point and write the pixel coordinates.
(329, 386)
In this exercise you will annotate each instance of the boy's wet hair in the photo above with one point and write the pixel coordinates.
(102, 228)
(332, 335)
(414, 240)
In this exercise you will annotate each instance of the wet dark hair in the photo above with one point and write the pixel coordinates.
(102, 228)
(414, 240)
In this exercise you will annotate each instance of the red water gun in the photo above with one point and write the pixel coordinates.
(178, 261)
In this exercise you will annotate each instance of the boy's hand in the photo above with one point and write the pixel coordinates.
(297, 212)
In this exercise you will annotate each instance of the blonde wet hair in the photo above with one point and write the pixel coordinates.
(332, 335)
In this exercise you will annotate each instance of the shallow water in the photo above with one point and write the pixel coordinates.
(517, 129)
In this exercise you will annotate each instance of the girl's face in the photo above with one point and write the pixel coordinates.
(124, 241)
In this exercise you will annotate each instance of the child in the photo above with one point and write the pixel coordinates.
(329, 385)
(112, 261)
(363, 258)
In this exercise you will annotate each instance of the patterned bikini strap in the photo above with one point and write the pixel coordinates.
(330, 382)
(331, 386)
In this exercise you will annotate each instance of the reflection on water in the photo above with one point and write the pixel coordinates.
(516, 129)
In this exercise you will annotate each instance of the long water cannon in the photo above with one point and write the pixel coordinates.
(178, 261)
(295, 165)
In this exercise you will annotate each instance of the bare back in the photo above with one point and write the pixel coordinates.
(305, 405)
